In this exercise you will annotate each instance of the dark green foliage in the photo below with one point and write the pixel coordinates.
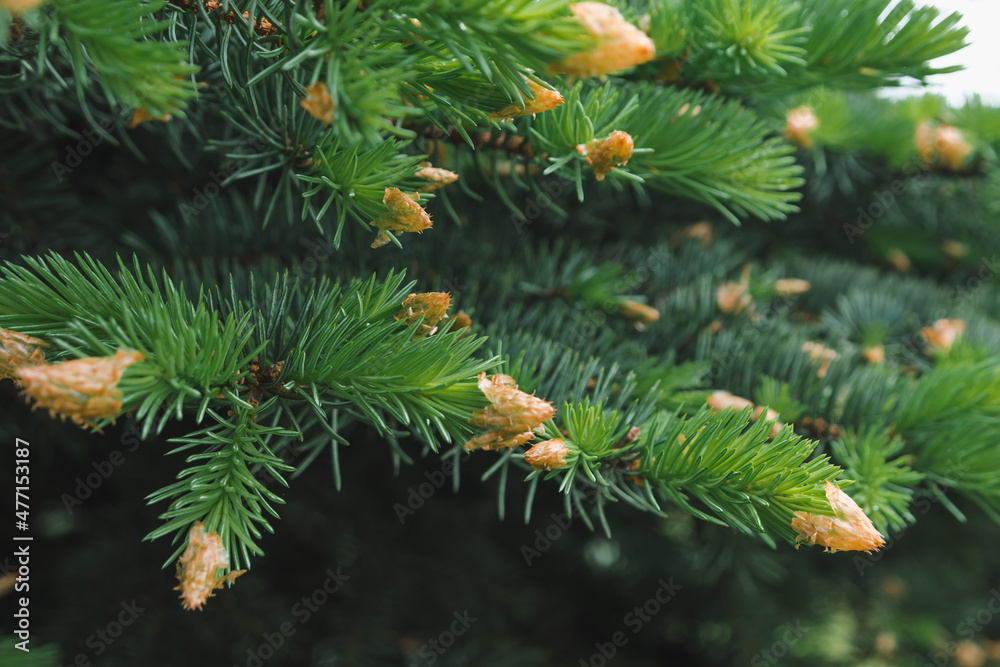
(278, 369)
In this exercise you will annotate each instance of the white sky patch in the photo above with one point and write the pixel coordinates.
(981, 58)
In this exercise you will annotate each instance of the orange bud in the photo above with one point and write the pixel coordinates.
(18, 350)
(542, 99)
(769, 415)
(620, 45)
(548, 455)
(81, 389)
(431, 306)
(319, 103)
(404, 214)
(606, 155)
(437, 178)
(874, 354)
(140, 115)
(699, 230)
(461, 320)
(799, 124)
(791, 286)
(943, 334)
(847, 530)
(197, 568)
(969, 654)
(720, 400)
(639, 312)
(19, 6)
(954, 249)
(899, 260)
(951, 146)
(511, 416)
(732, 297)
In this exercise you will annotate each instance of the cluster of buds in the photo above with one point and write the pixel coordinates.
(436, 177)
(542, 99)
(17, 350)
(510, 418)
(723, 400)
(849, 529)
(945, 142)
(404, 214)
(82, 389)
(821, 354)
(199, 565)
(620, 45)
(943, 334)
(319, 104)
(432, 307)
(261, 26)
(606, 155)
(799, 125)
(548, 455)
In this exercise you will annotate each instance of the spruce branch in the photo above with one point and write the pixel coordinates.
(883, 485)
(693, 145)
(499, 39)
(753, 38)
(219, 487)
(134, 69)
(742, 478)
(843, 43)
(357, 181)
(626, 450)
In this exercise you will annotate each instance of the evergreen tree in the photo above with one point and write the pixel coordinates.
(589, 312)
